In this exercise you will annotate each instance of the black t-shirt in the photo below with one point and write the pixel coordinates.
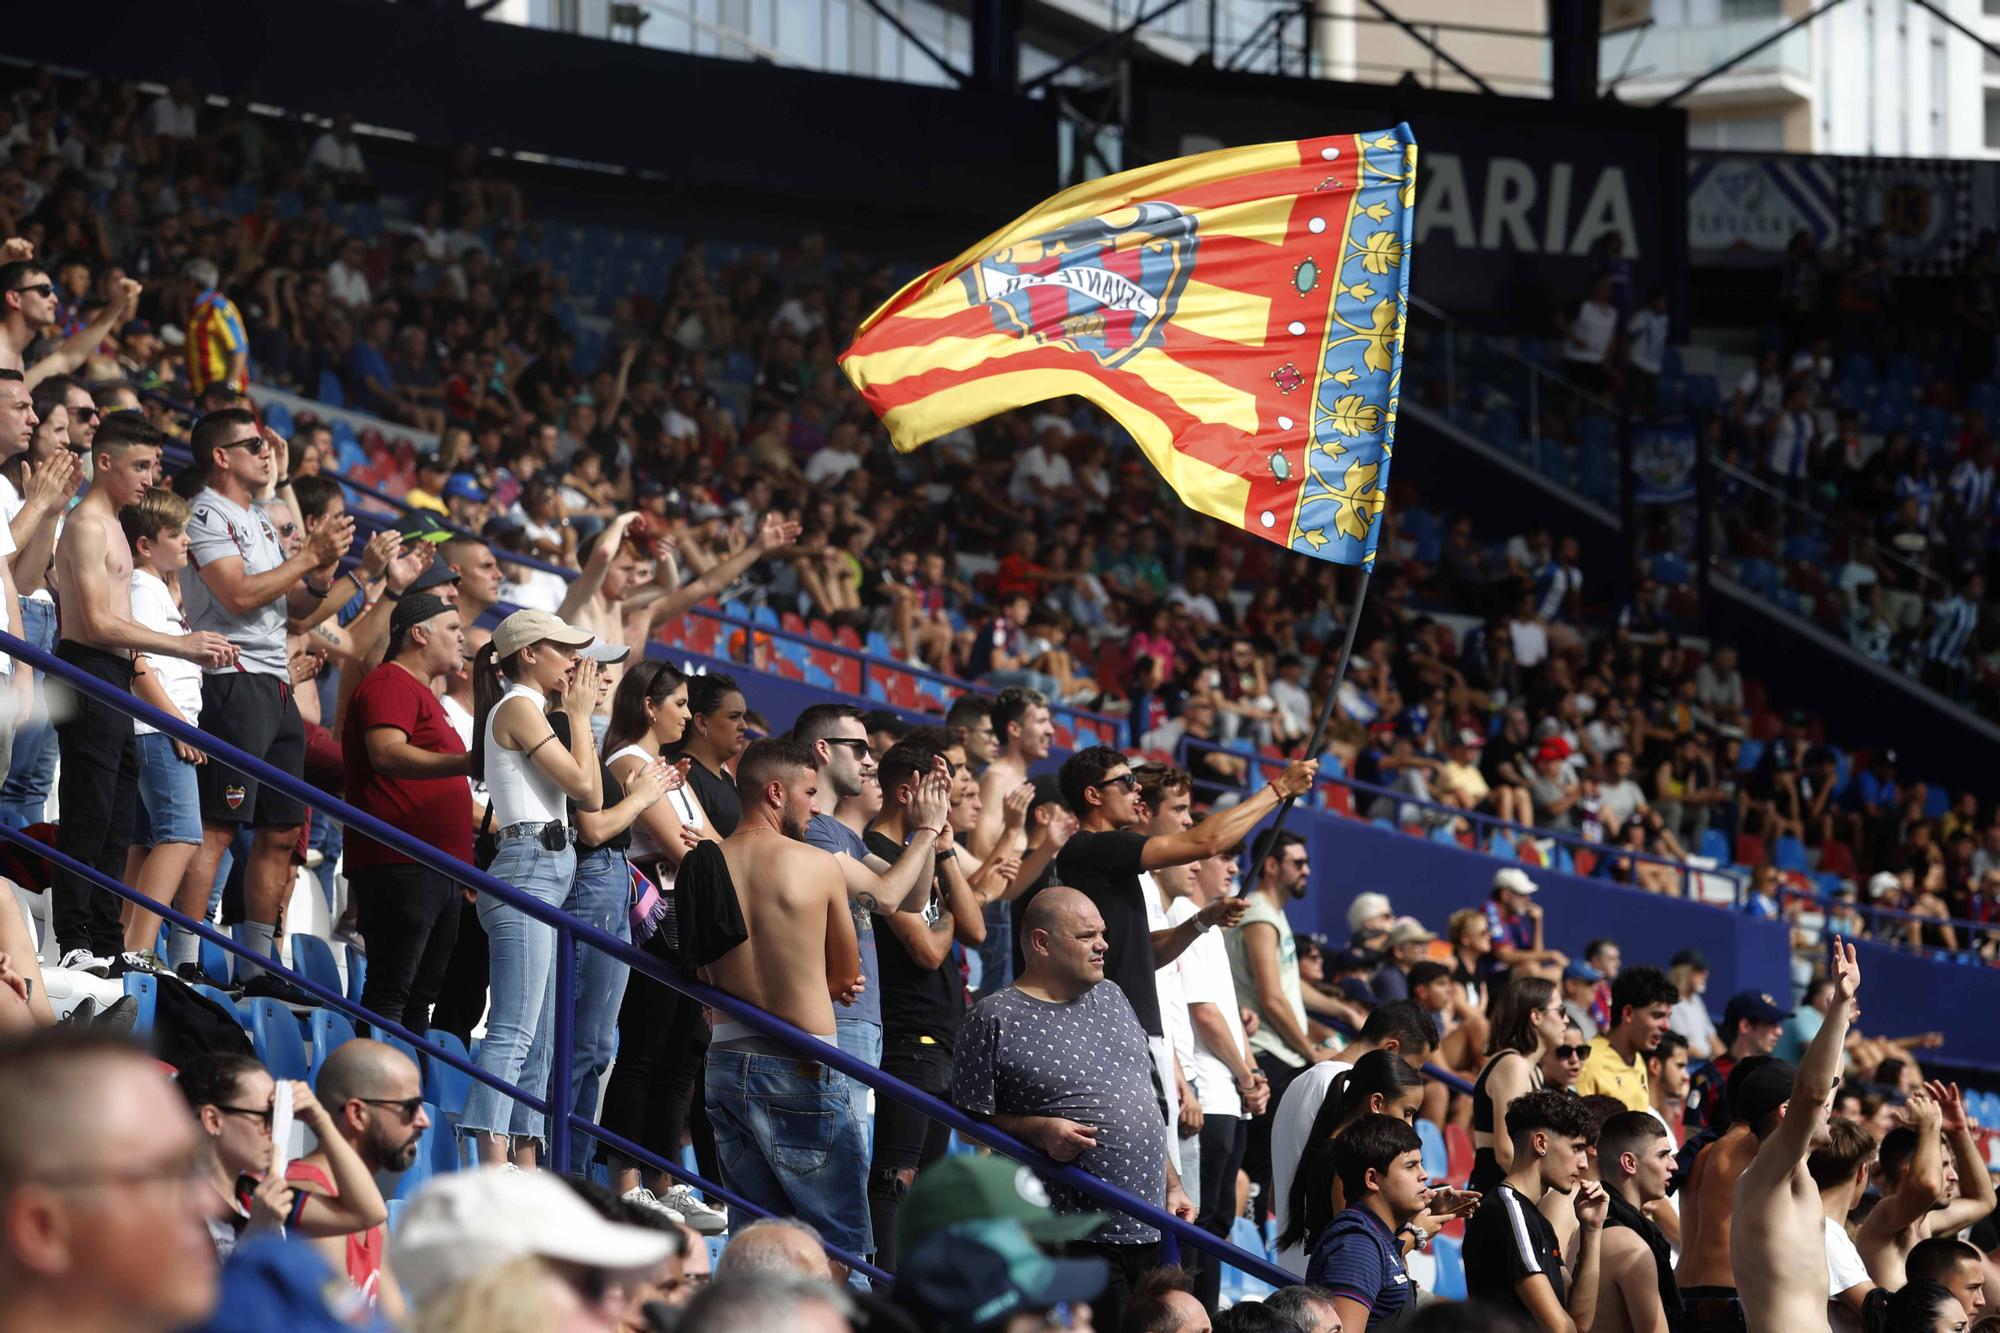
(1506, 1240)
(717, 795)
(916, 1001)
(614, 792)
(1104, 867)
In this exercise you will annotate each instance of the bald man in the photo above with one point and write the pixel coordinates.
(101, 1227)
(774, 1245)
(1059, 1060)
(375, 1095)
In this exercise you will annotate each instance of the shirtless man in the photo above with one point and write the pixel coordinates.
(1023, 732)
(1777, 1234)
(1708, 1286)
(619, 600)
(1635, 1278)
(1920, 1189)
(99, 782)
(799, 957)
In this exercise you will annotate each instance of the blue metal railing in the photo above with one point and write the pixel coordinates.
(561, 1123)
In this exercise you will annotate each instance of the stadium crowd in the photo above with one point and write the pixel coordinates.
(846, 872)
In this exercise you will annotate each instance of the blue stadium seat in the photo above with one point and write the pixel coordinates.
(145, 988)
(217, 961)
(1437, 1159)
(444, 1084)
(226, 1000)
(357, 972)
(329, 390)
(1748, 756)
(1502, 844)
(329, 1028)
(1450, 1257)
(1714, 846)
(279, 418)
(275, 1033)
(1669, 568)
(1937, 801)
(1790, 854)
(312, 957)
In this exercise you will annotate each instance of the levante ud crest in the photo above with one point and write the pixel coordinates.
(1106, 285)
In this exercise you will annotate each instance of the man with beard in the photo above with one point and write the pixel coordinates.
(374, 1093)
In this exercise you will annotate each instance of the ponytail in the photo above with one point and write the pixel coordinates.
(1347, 1100)
(486, 692)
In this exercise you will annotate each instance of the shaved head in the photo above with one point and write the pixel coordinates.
(362, 1068)
(51, 1095)
(773, 1245)
(1048, 909)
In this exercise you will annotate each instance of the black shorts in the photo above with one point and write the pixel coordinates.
(255, 713)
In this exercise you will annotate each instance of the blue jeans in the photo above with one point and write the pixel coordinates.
(520, 1019)
(787, 1140)
(863, 1041)
(599, 896)
(996, 954)
(169, 796)
(31, 773)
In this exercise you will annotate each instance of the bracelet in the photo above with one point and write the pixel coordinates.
(949, 854)
(317, 592)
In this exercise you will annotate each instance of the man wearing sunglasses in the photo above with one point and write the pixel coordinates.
(27, 310)
(374, 1093)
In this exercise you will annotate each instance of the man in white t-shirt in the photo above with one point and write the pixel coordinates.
(1840, 1169)
(1042, 474)
(1166, 794)
(17, 433)
(1228, 1085)
(1588, 334)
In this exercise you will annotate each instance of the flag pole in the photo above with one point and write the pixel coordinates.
(1313, 747)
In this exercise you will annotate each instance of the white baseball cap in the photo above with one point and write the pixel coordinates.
(1515, 878)
(469, 1222)
(1882, 883)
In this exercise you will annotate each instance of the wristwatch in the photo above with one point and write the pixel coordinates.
(1417, 1234)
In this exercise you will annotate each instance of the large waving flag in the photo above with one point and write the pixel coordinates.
(1240, 312)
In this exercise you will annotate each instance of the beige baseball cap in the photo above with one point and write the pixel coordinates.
(524, 628)
(467, 1223)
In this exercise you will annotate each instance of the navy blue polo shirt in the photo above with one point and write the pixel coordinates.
(1358, 1258)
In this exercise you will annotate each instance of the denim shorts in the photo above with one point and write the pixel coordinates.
(787, 1139)
(169, 794)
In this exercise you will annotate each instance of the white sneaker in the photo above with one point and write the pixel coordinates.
(83, 960)
(645, 1198)
(705, 1220)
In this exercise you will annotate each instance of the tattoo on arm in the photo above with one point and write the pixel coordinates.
(867, 901)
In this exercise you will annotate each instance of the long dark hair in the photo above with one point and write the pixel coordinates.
(1512, 1008)
(1347, 1100)
(487, 687)
(647, 682)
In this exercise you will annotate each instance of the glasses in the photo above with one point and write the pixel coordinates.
(85, 413)
(256, 444)
(859, 747)
(39, 288)
(1124, 782)
(1571, 1052)
(687, 1282)
(406, 1107)
(251, 1111)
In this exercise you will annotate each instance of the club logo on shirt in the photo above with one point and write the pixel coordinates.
(232, 796)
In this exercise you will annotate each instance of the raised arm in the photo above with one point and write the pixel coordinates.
(1812, 1087)
(74, 350)
(774, 535)
(356, 1204)
(905, 885)
(242, 593)
(1974, 1180)
(585, 585)
(1226, 828)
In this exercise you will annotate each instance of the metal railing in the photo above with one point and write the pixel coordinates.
(1575, 842)
(563, 1122)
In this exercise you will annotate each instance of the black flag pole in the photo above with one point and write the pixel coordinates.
(1270, 836)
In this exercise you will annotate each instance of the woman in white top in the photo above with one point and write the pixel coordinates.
(532, 658)
(660, 1031)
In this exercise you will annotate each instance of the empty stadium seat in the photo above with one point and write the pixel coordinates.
(312, 958)
(143, 987)
(274, 1031)
(1790, 854)
(1450, 1258)
(445, 1084)
(1437, 1159)
(328, 1029)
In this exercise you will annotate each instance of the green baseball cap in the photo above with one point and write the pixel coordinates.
(422, 525)
(981, 1188)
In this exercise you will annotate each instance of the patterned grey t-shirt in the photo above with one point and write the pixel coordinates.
(1086, 1061)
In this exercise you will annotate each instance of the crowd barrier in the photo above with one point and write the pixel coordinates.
(561, 1126)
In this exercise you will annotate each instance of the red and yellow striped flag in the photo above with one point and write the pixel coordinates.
(1240, 312)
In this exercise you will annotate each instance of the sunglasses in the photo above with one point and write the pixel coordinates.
(255, 445)
(406, 1107)
(859, 747)
(39, 288)
(251, 1111)
(1124, 782)
(1571, 1052)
